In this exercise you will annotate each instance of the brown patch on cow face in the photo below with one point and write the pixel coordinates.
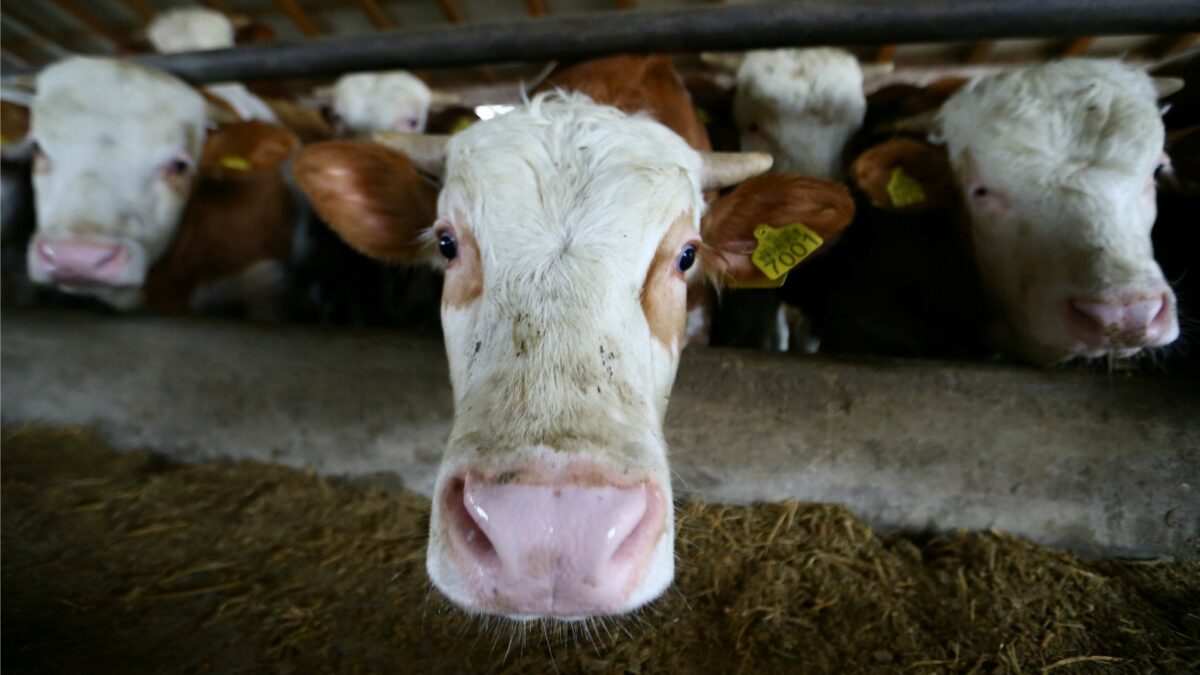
(633, 84)
(664, 292)
(464, 274)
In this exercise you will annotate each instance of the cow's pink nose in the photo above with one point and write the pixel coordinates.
(1126, 321)
(80, 261)
(554, 550)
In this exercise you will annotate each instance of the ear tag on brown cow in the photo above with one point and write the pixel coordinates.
(904, 190)
(235, 163)
(703, 116)
(781, 249)
(462, 123)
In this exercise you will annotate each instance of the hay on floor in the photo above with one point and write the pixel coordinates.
(128, 563)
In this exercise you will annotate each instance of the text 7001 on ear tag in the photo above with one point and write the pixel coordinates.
(779, 250)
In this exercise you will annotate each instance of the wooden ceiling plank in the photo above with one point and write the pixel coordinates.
(142, 8)
(626, 4)
(91, 23)
(452, 12)
(33, 34)
(300, 17)
(376, 14)
(886, 54)
(536, 7)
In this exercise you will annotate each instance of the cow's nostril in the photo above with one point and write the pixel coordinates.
(465, 519)
(46, 252)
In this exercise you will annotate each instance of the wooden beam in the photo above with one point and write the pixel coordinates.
(378, 17)
(1077, 47)
(33, 33)
(19, 56)
(10, 56)
(536, 7)
(300, 17)
(451, 11)
(626, 4)
(218, 5)
(980, 51)
(886, 54)
(96, 27)
(1176, 46)
(144, 10)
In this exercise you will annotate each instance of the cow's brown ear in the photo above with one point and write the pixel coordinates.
(755, 234)
(372, 197)
(904, 175)
(246, 150)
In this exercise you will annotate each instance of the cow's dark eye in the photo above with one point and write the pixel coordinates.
(447, 245)
(979, 191)
(687, 258)
(753, 128)
(179, 166)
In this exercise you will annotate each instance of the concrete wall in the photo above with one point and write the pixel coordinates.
(1095, 462)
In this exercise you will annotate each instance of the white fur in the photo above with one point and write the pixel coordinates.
(1067, 153)
(568, 202)
(369, 102)
(190, 29)
(196, 29)
(806, 104)
(108, 129)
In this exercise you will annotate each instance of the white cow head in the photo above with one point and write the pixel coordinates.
(1056, 165)
(568, 233)
(799, 105)
(117, 150)
(364, 103)
(190, 29)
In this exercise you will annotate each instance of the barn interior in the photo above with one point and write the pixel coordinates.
(220, 494)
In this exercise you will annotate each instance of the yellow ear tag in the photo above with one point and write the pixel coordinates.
(462, 123)
(703, 116)
(904, 190)
(235, 162)
(3, 139)
(781, 249)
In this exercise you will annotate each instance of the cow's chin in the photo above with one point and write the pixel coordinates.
(1048, 339)
(566, 539)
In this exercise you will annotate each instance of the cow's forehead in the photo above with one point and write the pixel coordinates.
(567, 176)
(99, 101)
(1056, 120)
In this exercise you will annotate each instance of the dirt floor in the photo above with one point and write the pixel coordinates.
(127, 563)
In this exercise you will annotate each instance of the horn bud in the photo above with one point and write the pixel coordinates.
(427, 152)
(723, 169)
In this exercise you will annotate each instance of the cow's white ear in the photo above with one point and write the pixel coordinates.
(723, 169)
(727, 61)
(427, 152)
(444, 98)
(1165, 86)
(871, 70)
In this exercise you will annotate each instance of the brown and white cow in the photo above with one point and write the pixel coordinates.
(1053, 171)
(568, 232)
(140, 204)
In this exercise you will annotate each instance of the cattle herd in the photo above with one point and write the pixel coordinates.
(570, 249)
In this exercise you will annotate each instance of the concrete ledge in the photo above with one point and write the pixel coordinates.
(1096, 463)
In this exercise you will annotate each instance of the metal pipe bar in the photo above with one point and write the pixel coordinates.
(811, 22)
